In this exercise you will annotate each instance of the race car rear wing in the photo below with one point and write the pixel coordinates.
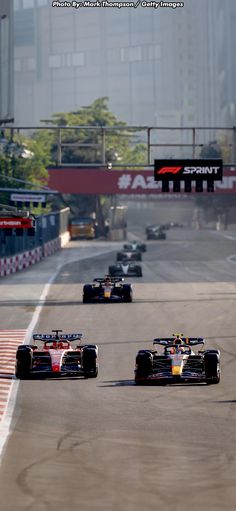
(112, 279)
(129, 251)
(57, 337)
(125, 261)
(192, 341)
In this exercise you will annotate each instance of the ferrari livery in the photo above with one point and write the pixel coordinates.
(126, 269)
(107, 289)
(56, 356)
(178, 363)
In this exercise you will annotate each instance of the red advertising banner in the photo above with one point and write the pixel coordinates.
(16, 223)
(103, 181)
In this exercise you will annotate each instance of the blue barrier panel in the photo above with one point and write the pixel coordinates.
(48, 227)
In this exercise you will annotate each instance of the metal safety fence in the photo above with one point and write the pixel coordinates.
(157, 141)
(48, 227)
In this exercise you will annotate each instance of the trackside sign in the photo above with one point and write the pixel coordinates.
(182, 170)
(16, 223)
(102, 181)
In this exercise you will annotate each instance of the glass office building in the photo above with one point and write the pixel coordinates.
(226, 60)
(157, 66)
(6, 61)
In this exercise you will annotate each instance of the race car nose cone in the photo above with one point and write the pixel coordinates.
(176, 370)
(55, 368)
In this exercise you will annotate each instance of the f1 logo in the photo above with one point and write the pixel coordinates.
(169, 170)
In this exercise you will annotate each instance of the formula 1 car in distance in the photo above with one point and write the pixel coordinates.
(130, 255)
(178, 363)
(155, 233)
(56, 357)
(173, 224)
(125, 269)
(107, 289)
(150, 227)
(135, 245)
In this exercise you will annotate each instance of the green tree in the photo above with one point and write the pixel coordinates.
(85, 145)
(211, 150)
(23, 163)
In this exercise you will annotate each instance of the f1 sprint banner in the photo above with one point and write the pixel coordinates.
(193, 170)
(199, 171)
(81, 180)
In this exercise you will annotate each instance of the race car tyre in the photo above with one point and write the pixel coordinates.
(111, 271)
(144, 365)
(127, 293)
(87, 293)
(212, 368)
(119, 257)
(139, 273)
(23, 362)
(89, 363)
(139, 256)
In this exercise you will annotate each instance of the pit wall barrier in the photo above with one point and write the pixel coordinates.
(19, 262)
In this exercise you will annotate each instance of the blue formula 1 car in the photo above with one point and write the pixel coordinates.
(107, 289)
(178, 363)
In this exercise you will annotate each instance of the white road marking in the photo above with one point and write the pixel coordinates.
(9, 340)
(231, 258)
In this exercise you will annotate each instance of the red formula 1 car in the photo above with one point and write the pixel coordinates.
(178, 363)
(57, 356)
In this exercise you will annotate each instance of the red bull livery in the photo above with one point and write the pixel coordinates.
(178, 363)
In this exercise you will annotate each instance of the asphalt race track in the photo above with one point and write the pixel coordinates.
(105, 444)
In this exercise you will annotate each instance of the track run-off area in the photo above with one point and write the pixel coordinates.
(106, 444)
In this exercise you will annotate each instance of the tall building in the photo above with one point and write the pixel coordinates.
(226, 23)
(6, 61)
(157, 66)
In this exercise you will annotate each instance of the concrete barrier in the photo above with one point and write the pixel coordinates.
(117, 234)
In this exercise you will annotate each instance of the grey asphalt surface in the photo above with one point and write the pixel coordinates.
(106, 444)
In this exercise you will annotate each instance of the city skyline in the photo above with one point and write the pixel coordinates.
(159, 67)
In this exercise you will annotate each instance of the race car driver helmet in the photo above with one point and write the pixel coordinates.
(178, 341)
